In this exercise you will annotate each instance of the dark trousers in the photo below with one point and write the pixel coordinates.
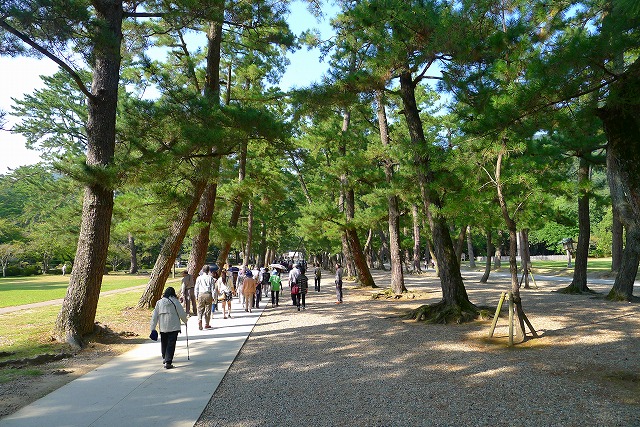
(168, 345)
(317, 284)
(294, 298)
(301, 299)
(339, 291)
(275, 298)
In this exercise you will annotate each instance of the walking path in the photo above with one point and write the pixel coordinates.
(134, 389)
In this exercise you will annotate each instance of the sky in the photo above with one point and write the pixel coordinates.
(20, 76)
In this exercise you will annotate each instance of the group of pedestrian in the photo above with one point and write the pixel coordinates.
(212, 286)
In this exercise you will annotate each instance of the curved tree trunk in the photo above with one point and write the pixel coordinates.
(206, 207)
(454, 294)
(170, 249)
(77, 314)
(487, 265)
(621, 119)
(622, 289)
(519, 316)
(200, 244)
(237, 207)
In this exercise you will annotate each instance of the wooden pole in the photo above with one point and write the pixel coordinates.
(495, 317)
(510, 319)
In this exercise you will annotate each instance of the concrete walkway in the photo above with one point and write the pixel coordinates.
(134, 389)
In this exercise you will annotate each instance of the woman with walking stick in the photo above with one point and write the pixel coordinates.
(167, 316)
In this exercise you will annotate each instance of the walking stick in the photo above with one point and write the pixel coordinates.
(186, 331)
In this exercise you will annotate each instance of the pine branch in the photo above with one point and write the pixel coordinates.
(49, 55)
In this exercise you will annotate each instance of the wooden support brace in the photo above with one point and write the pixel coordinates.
(510, 296)
(495, 317)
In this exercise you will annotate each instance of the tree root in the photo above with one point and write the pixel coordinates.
(443, 313)
(574, 290)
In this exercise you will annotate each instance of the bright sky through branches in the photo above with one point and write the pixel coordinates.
(20, 76)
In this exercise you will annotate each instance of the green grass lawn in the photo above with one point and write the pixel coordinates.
(27, 290)
(596, 267)
(28, 333)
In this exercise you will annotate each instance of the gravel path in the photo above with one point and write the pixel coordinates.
(359, 364)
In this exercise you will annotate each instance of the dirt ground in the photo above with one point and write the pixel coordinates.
(549, 311)
(110, 341)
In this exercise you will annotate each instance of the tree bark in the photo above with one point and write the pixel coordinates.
(77, 314)
(453, 291)
(249, 246)
(416, 239)
(617, 240)
(237, 207)
(525, 258)
(206, 207)
(520, 334)
(472, 255)
(621, 119)
(393, 212)
(133, 269)
(170, 249)
(357, 259)
(579, 282)
(460, 243)
(487, 265)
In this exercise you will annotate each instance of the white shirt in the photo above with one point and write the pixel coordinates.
(204, 283)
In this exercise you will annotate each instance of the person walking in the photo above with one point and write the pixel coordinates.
(187, 290)
(303, 287)
(293, 276)
(240, 285)
(258, 294)
(225, 293)
(338, 283)
(204, 295)
(317, 275)
(276, 285)
(167, 315)
(265, 282)
(249, 289)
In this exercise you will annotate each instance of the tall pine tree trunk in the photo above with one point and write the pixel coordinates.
(200, 244)
(472, 255)
(525, 259)
(249, 246)
(416, 239)
(237, 207)
(133, 253)
(393, 212)
(617, 240)
(171, 248)
(358, 261)
(455, 304)
(621, 119)
(579, 282)
(487, 265)
(78, 312)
